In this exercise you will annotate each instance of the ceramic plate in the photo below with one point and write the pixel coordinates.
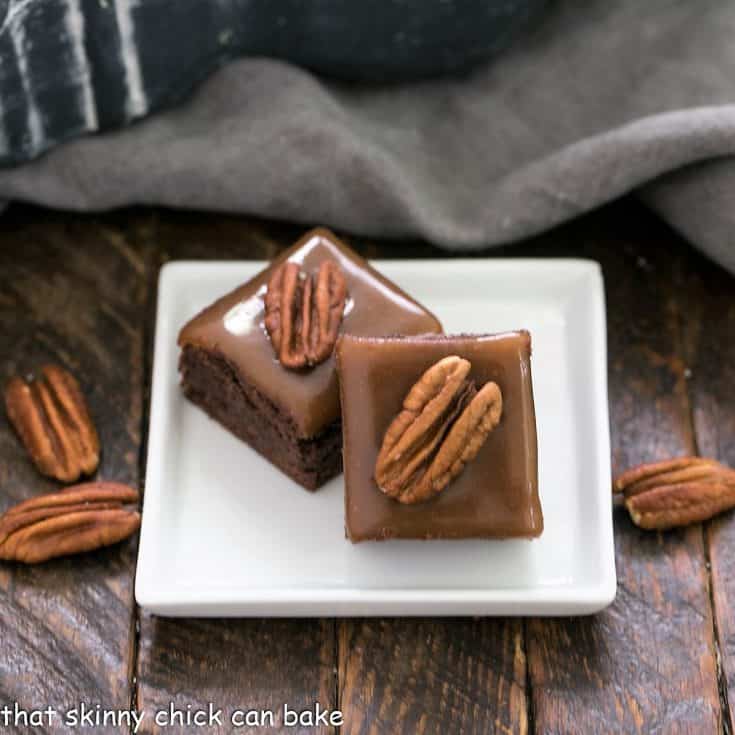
(225, 533)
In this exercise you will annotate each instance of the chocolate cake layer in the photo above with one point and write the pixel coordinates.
(209, 381)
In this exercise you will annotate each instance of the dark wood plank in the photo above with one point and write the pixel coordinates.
(255, 664)
(203, 236)
(709, 330)
(197, 235)
(647, 664)
(432, 676)
(247, 664)
(72, 293)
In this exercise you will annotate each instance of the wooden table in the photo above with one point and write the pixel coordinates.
(81, 290)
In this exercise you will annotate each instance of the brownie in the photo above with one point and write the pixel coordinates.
(229, 366)
(495, 495)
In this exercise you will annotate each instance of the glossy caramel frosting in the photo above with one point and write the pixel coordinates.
(496, 494)
(233, 327)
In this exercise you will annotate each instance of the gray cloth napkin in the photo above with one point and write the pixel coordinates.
(599, 98)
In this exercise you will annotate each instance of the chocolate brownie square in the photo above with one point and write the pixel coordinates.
(484, 484)
(230, 368)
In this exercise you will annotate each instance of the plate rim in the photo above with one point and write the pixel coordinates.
(581, 599)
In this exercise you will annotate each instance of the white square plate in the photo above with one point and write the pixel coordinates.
(225, 533)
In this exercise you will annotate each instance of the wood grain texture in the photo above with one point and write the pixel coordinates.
(647, 664)
(196, 235)
(69, 294)
(242, 665)
(81, 291)
(432, 676)
(708, 324)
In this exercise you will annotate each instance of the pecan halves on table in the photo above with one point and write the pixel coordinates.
(444, 422)
(78, 519)
(51, 417)
(303, 312)
(676, 492)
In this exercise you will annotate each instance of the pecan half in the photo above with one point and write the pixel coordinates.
(444, 422)
(676, 492)
(51, 417)
(80, 518)
(303, 312)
